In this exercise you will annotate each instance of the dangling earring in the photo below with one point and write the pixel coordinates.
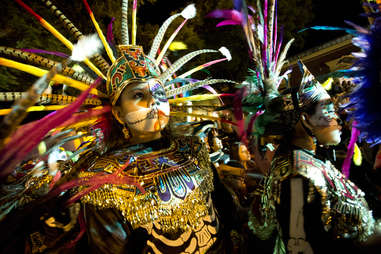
(126, 132)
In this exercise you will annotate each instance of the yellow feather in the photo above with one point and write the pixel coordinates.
(357, 157)
(40, 72)
(328, 84)
(201, 97)
(177, 45)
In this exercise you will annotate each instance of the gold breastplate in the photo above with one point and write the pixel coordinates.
(177, 182)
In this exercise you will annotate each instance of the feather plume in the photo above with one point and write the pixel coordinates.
(45, 62)
(125, 36)
(232, 17)
(160, 34)
(86, 47)
(180, 62)
(26, 138)
(357, 157)
(58, 35)
(351, 147)
(189, 12)
(365, 104)
(226, 53)
(196, 85)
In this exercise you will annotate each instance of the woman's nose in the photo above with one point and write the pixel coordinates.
(152, 101)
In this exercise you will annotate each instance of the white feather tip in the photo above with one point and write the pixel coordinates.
(189, 12)
(86, 47)
(226, 53)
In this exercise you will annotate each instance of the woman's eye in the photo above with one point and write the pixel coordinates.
(160, 93)
(138, 95)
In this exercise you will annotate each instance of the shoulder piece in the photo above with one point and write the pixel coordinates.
(307, 165)
(344, 208)
(177, 182)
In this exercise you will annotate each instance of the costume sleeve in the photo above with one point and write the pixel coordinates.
(108, 232)
(319, 239)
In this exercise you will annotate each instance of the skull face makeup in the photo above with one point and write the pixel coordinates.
(144, 107)
(325, 125)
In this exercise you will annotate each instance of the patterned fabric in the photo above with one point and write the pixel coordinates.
(177, 182)
(344, 209)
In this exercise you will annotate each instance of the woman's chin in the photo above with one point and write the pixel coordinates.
(330, 138)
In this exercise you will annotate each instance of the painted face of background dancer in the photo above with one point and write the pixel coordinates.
(144, 107)
(325, 123)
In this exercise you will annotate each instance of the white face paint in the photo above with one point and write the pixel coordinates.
(145, 107)
(149, 119)
(325, 126)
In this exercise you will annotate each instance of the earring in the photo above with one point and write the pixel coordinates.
(126, 132)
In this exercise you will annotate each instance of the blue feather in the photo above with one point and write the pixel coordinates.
(365, 98)
(330, 28)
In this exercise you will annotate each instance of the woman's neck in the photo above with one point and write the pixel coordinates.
(303, 140)
(143, 138)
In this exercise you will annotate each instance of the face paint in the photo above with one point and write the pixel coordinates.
(325, 126)
(145, 107)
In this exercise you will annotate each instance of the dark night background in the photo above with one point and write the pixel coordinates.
(19, 29)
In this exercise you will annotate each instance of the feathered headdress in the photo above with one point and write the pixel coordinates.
(127, 63)
(265, 46)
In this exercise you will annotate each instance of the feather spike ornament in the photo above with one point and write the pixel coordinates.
(224, 51)
(40, 72)
(59, 36)
(261, 87)
(192, 86)
(188, 13)
(45, 62)
(26, 138)
(180, 62)
(134, 26)
(100, 33)
(45, 98)
(159, 36)
(124, 32)
(98, 59)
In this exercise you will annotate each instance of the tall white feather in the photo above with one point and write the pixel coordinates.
(226, 53)
(189, 12)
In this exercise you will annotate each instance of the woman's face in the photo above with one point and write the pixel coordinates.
(244, 154)
(144, 107)
(324, 123)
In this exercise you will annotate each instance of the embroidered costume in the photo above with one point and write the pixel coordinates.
(156, 196)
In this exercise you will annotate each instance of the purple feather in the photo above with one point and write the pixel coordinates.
(238, 113)
(264, 50)
(350, 150)
(41, 51)
(238, 4)
(28, 136)
(110, 35)
(275, 31)
(252, 121)
(226, 14)
(279, 46)
(228, 23)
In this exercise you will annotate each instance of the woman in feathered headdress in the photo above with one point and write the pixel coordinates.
(311, 205)
(142, 190)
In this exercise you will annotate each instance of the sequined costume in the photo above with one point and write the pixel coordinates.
(175, 214)
(167, 199)
(328, 195)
